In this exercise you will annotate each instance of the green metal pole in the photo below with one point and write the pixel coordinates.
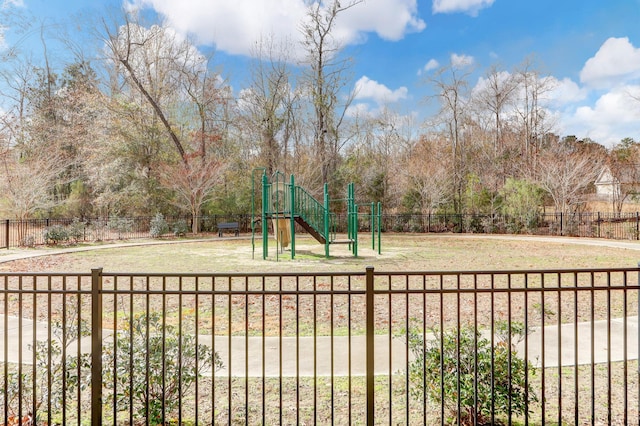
(326, 220)
(373, 226)
(355, 230)
(350, 235)
(275, 179)
(265, 206)
(354, 217)
(349, 211)
(349, 214)
(379, 222)
(293, 220)
(253, 210)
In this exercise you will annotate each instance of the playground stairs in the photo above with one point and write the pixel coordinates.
(310, 229)
(318, 235)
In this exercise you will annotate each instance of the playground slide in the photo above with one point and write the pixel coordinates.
(281, 228)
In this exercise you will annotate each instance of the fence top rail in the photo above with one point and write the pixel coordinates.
(497, 290)
(41, 274)
(362, 273)
(233, 274)
(507, 271)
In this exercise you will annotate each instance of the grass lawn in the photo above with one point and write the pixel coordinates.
(400, 252)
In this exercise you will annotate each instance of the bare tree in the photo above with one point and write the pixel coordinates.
(175, 81)
(623, 163)
(429, 171)
(494, 96)
(383, 139)
(566, 172)
(17, 81)
(531, 112)
(149, 58)
(325, 80)
(269, 103)
(193, 186)
(452, 93)
(48, 117)
(26, 181)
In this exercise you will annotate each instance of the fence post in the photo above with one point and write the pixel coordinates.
(370, 346)
(96, 347)
(6, 232)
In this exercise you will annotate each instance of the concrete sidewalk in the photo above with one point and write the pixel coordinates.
(324, 356)
(559, 347)
(9, 255)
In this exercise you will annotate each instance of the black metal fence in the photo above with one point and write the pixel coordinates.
(15, 233)
(596, 225)
(33, 232)
(530, 347)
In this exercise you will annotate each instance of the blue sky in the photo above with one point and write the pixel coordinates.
(590, 49)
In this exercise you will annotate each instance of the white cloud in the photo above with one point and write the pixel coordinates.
(381, 94)
(389, 19)
(359, 110)
(616, 62)
(8, 3)
(471, 7)
(234, 26)
(461, 61)
(613, 117)
(431, 65)
(565, 91)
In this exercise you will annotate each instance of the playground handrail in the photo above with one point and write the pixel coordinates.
(311, 210)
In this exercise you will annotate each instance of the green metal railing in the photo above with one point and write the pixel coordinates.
(311, 211)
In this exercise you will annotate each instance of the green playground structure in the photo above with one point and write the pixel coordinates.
(286, 204)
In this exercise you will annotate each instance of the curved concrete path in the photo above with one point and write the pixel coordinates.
(280, 354)
(315, 359)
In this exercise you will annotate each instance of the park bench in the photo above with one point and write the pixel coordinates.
(228, 227)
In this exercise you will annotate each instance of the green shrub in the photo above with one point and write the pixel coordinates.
(473, 224)
(145, 380)
(55, 235)
(400, 223)
(55, 379)
(522, 202)
(76, 230)
(158, 226)
(464, 360)
(121, 225)
(28, 241)
(180, 228)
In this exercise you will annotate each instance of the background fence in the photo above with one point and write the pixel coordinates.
(392, 348)
(15, 233)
